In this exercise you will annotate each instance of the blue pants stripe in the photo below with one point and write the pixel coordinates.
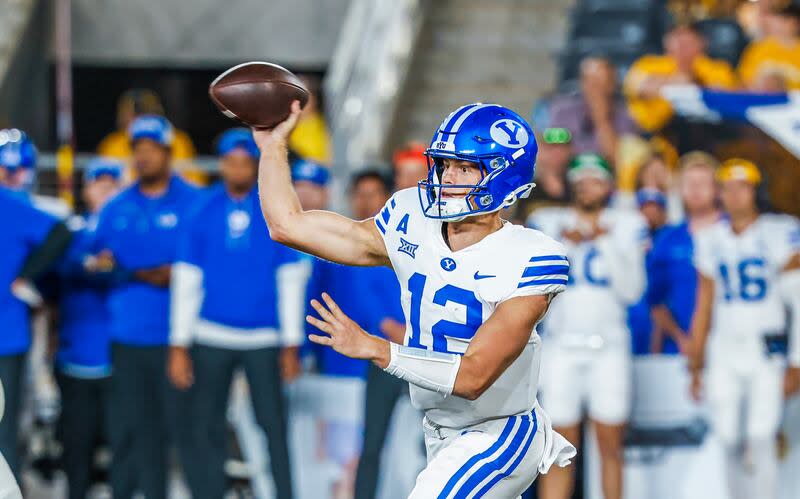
(475, 459)
(498, 463)
(514, 465)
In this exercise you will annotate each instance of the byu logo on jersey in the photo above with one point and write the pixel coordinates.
(508, 133)
(448, 264)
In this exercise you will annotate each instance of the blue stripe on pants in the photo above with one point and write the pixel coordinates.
(516, 462)
(499, 463)
(475, 459)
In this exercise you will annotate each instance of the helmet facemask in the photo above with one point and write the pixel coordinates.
(477, 200)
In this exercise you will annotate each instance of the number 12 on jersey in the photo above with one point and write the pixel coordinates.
(443, 328)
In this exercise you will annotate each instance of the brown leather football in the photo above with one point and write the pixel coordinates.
(258, 94)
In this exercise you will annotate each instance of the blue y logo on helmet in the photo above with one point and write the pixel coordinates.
(503, 146)
(508, 133)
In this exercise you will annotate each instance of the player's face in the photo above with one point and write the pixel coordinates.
(311, 195)
(738, 197)
(150, 159)
(591, 193)
(98, 192)
(367, 198)
(698, 190)
(458, 172)
(408, 173)
(238, 170)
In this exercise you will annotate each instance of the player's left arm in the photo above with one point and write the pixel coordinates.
(496, 344)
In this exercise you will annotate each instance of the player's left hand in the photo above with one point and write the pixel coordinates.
(791, 381)
(345, 336)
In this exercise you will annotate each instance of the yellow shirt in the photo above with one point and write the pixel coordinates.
(310, 139)
(770, 55)
(118, 145)
(652, 114)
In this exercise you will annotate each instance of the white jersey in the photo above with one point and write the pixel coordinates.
(606, 275)
(745, 268)
(447, 295)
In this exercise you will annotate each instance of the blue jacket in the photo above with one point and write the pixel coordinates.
(22, 229)
(367, 294)
(143, 232)
(672, 278)
(83, 346)
(229, 241)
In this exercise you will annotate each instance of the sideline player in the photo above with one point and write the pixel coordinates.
(474, 288)
(748, 271)
(587, 341)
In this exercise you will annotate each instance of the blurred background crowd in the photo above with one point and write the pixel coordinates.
(142, 303)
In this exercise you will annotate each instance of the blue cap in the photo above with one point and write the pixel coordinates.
(311, 172)
(153, 127)
(100, 166)
(16, 149)
(647, 195)
(237, 138)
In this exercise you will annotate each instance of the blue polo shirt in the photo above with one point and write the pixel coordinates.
(83, 346)
(366, 294)
(228, 239)
(22, 229)
(143, 232)
(672, 278)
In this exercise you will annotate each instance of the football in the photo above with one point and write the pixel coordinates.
(258, 94)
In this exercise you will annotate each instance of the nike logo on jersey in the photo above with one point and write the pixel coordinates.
(478, 276)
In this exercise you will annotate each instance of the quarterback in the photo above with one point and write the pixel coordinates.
(473, 289)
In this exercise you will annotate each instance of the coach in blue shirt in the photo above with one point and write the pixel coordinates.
(136, 240)
(237, 302)
(83, 361)
(672, 279)
(373, 295)
(30, 241)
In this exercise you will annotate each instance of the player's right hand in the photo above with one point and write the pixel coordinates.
(179, 368)
(280, 134)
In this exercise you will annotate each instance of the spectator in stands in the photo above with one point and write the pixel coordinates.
(136, 240)
(672, 279)
(778, 53)
(311, 184)
(117, 144)
(410, 166)
(311, 139)
(31, 242)
(82, 361)
(684, 62)
(237, 302)
(595, 116)
(132, 104)
(552, 188)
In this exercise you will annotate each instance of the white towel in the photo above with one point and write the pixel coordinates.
(557, 449)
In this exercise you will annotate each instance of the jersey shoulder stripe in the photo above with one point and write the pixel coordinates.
(545, 269)
(385, 215)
